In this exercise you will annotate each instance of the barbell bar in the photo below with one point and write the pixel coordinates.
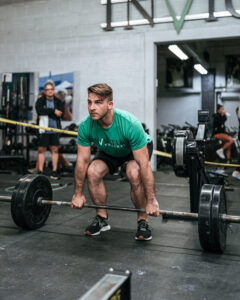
(168, 214)
(31, 204)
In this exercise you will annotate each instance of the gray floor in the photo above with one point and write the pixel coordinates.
(59, 262)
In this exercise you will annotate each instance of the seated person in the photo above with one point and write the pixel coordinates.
(219, 132)
(236, 173)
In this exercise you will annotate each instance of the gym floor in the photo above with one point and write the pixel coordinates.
(59, 262)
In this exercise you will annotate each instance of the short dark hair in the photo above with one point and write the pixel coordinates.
(101, 89)
(237, 109)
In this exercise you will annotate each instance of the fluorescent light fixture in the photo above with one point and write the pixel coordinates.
(200, 69)
(178, 52)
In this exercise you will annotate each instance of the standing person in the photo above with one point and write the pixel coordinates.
(119, 137)
(51, 106)
(236, 173)
(219, 132)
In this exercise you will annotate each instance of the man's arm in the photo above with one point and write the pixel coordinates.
(141, 157)
(83, 159)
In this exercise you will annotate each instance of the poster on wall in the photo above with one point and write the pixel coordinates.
(233, 71)
(179, 73)
(63, 89)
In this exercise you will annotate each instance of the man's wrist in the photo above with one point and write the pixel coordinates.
(151, 199)
(78, 193)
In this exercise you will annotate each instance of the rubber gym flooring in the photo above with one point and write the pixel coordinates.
(59, 262)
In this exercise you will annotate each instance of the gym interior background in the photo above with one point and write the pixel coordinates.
(126, 44)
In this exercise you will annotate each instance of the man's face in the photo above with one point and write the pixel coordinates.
(49, 91)
(98, 107)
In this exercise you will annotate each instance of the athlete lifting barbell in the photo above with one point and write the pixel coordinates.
(120, 138)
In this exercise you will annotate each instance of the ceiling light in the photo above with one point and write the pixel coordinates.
(178, 52)
(200, 69)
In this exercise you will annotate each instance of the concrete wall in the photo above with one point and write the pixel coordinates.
(65, 35)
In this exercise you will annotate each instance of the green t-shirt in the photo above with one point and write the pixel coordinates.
(124, 135)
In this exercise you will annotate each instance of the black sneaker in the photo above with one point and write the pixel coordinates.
(143, 231)
(98, 224)
(54, 175)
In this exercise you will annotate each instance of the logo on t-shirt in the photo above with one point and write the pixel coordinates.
(104, 142)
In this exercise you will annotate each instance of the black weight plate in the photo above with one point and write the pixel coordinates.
(14, 209)
(205, 216)
(25, 210)
(219, 228)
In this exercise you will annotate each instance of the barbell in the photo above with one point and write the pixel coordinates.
(31, 203)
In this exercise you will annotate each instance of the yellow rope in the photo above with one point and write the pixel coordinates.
(38, 127)
(156, 152)
(221, 164)
(164, 154)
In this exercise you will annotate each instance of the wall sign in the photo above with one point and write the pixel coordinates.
(149, 18)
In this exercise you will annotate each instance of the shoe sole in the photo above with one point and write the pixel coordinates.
(55, 178)
(142, 238)
(105, 228)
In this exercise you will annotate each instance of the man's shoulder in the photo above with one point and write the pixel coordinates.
(125, 115)
(86, 121)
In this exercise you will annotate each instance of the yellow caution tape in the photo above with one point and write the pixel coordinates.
(221, 164)
(3, 120)
(164, 154)
(157, 152)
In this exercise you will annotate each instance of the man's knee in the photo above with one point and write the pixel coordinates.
(96, 171)
(133, 174)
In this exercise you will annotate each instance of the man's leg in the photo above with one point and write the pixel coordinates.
(138, 197)
(96, 171)
(137, 191)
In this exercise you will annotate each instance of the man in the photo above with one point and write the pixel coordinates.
(120, 138)
(51, 106)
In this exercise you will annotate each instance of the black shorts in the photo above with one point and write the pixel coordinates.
(114, 163)
(48, 139)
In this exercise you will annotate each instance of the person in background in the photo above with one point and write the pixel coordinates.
(62, 94)
(236, 173)
(219, 132)
(49, 105)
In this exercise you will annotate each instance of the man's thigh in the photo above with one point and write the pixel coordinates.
(112, 162)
